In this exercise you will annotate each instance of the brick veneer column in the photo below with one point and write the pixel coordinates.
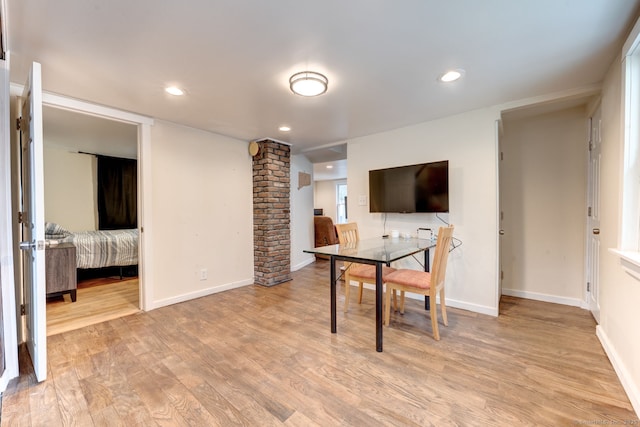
(271, 216)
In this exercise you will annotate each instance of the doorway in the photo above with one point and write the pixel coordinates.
(543, 188)
(73, 143)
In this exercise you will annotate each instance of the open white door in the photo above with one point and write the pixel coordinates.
(32, 218)
(593, 220)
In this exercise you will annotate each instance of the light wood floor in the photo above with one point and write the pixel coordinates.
(98, 300)
(265, 356)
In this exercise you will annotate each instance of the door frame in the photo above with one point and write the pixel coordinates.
(498, 126)
(143, 124)
(592, 109)
(7, 274)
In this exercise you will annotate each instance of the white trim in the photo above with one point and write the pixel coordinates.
(565, 95)
(631, 44)
(629, 261)
(145, 246)
(201, 293)
(144, 161)
(304, 263)
(537, 296)
(625, 378)
(498, 257)
(630, 256)
(7, 274)
(72, 104)
(476, 308)
(629, 232)
(144, 124)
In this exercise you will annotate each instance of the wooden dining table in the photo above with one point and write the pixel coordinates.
(375, 251)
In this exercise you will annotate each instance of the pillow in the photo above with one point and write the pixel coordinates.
(55, 231)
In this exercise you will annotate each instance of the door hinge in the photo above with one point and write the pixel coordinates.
(501, 155)
(588, 287)
(23, 310)
(21, 217)
(501, 275)
(589, 211)
(19, 123)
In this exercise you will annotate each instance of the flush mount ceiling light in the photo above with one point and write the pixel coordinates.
(308, 83)
(284, 128)
(173, 90)
(451, 76)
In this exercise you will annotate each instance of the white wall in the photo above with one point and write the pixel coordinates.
(543, 197)
(70, 189)
(202, 213)
(619, 292)
(301, 199)
(325, 198)
(468, 141)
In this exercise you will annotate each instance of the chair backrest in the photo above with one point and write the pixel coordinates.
(445, 235)
(347, 233)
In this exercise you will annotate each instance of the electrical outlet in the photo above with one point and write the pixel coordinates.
(362, 200)
(203, 274)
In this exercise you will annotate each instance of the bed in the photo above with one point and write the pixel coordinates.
(98, 249)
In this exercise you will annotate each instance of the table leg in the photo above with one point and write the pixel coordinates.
(333, 295)
(379, 307)
(426, 268)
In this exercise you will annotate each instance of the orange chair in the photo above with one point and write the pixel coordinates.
(361, 273)
(424, 283)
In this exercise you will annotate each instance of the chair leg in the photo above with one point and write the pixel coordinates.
(434, 316)
(387, 306)
(360, 287)
(395, 300)
(347, 287)
(401, 302)
(443, 307)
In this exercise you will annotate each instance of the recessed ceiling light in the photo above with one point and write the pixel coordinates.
(173, 90)
(329, 166)
(308, 83)
(451, 76)
(284, 128)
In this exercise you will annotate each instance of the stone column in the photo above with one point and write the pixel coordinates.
(271, 213)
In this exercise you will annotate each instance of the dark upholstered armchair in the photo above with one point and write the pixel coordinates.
(325, 232)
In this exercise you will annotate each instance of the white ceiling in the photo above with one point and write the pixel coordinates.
(234, 58)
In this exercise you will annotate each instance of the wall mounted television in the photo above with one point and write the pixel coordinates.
(410, 189)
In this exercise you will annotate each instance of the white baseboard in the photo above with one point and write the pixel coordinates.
(304, 263)
(490, 311)
(632, 389)
(574, 302)
(200, 293)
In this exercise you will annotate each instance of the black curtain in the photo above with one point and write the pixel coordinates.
(117, 193)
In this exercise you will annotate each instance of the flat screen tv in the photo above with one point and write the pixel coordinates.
(408, 189)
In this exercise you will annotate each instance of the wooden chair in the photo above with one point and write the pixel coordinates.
(424, 283)
(361, 273)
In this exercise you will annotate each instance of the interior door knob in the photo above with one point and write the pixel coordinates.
(501, 232)
(596, 231)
